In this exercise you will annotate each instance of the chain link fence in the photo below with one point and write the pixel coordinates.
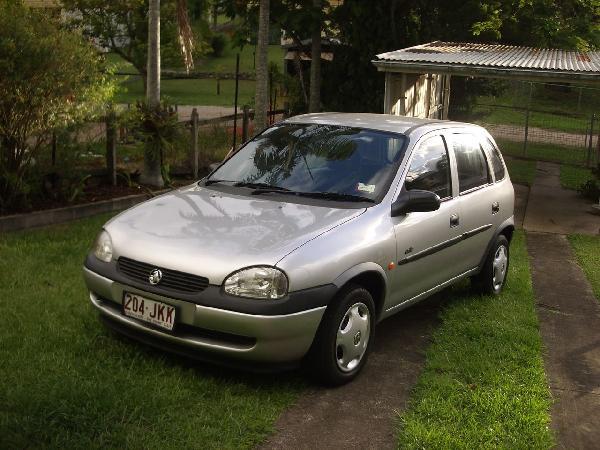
(541, 121)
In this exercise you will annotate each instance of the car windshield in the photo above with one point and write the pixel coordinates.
(338, 162)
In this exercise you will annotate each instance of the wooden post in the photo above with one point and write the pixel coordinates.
(111, 147)
(387, 99)
(194, 128)
(218, 85)
(402, 109)
(245, 123)
(446, 102)
(428, 97)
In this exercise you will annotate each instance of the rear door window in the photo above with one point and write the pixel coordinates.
(430, 168)
(471, 163)
(495, 159)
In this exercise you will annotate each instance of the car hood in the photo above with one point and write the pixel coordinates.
(210, 233)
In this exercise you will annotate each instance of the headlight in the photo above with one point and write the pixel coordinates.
(103, 249)
(257, 282)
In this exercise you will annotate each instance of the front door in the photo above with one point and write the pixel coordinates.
(425, 241)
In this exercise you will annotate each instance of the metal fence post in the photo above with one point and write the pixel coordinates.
(245, 122)
(527, 120)
(111, 147)
(590, 141)
(194, 128)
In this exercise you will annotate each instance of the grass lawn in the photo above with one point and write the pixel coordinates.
(572, 177)
(544, 152)
(484, 384)
(222, 64)
(521, 171)
(587, 251)
(67, 382)
(188, 91)
(198, 91)
(560, 122)
(553, 109)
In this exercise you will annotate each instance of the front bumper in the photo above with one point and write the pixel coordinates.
(206, 332)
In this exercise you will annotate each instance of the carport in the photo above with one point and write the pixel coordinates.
(417, 79)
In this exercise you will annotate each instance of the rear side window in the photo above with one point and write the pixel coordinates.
(430, 168)
(495, 158)
(470, 162)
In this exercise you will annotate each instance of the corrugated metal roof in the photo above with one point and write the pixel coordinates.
(495, 56)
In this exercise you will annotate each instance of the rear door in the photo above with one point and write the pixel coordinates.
(476, 203)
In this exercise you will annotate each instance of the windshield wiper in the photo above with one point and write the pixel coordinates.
(336, 196)
(261, 187)
(215, 180)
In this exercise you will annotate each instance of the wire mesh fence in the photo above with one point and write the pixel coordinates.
(542, 121)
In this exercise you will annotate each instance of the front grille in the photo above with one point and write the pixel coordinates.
(171, 279)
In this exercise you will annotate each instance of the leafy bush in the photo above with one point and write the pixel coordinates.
(51, 78)
(159, 129)
(217, 44)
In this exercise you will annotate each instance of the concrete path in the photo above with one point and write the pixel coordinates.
(569, 316)
(362, 414)
(552, 209)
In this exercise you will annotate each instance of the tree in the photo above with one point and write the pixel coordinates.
(152, 174)
(51, 77)
(261, 99)
(351, 82)
(122, 27)
(314, 104)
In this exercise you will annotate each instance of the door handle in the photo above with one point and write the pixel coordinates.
(495, 207)
(454, 220)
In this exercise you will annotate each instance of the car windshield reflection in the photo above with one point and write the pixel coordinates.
(333, 162)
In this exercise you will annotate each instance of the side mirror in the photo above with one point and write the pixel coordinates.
(415, 201)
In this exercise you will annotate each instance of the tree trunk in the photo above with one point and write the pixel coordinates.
(314, 104)
(152, 174)
(262, 73)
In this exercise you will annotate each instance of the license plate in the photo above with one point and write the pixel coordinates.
(151, 311)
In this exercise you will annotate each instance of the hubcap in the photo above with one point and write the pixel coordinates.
(500, 265)
(352, 337)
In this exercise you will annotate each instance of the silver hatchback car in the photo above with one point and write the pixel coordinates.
(298, 244)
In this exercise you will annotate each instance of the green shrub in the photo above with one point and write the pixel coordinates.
(217, 44)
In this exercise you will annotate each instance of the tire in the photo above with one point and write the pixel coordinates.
(492, 278)
(344, 338)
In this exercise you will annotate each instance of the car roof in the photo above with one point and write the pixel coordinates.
(383, 122)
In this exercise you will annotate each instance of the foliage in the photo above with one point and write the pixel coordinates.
(351, 83)
(217, 44)
(590, 189)
(159, 129)
(122, 27)
(51, 78)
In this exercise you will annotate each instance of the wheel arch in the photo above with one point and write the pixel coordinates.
(372, 277)
(507, 228)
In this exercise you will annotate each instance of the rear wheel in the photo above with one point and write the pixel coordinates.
(493, 275)
(344, 338)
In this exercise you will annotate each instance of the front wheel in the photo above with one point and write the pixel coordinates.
(344, 338)
(493, 275)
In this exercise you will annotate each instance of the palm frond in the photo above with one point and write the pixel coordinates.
(185, 34)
